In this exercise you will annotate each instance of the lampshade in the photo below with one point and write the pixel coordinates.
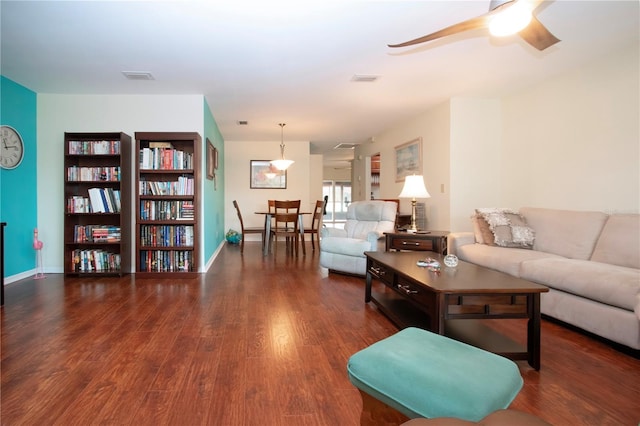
(414, 188)
(281, 163)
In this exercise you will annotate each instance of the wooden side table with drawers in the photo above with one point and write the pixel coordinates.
(420, 241)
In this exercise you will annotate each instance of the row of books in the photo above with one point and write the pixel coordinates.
(94, 147)
(166, 210)
(166, 261)
(166, 235)
(96, 234)
(94, 261)
(165, 159)
(104, 200)
(93, 174)
(183, 186)
(100, 200)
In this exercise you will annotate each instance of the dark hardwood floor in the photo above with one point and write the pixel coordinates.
(256, 341)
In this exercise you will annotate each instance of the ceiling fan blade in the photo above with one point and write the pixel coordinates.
(538, 35)
(471, 24)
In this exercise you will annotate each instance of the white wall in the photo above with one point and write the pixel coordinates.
(573, 142)
(476, 158)
(433, 128)
(570, 142)
(238, 154)
(340, 174)
(58, 114)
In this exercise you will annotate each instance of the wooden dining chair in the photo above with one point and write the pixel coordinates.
(316, 223)
(286, 225)
(249, 230)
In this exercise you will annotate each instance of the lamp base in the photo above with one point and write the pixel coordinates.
(413, 229)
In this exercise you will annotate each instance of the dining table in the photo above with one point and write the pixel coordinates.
(267, 227)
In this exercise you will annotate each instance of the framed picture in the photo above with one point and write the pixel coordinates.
(408, 159)
(265, 176)
(212, 160)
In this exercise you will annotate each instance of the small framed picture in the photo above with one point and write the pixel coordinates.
(264, 176)
(212, 160)
(408, 159)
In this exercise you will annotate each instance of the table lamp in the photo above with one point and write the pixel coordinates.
(414, 188)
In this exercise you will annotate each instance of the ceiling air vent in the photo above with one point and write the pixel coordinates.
(242, 123)
(345, 146)
(365, 78)
(138, 75)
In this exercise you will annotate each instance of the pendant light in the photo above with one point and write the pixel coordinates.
(282, 164)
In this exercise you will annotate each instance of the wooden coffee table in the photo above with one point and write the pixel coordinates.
(448, 302)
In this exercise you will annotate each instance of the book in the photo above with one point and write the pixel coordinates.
(95, 197)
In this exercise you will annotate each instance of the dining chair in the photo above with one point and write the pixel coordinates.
(316, 222)
(248, 230)
(286, 225)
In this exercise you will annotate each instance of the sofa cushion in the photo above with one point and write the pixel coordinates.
(346, 246)
(370, 216)
(501, 259)
(567, 233)
(507, 227)
(481, 230)
(610, 284)
(619, 242)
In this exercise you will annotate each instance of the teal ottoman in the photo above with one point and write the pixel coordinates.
(424, 374)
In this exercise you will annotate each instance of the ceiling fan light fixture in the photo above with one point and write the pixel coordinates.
(510, 20)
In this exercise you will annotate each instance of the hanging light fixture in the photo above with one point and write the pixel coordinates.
(282, 164)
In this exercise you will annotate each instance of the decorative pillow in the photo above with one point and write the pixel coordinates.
(477, 233)
(483, 234)
(508, 227)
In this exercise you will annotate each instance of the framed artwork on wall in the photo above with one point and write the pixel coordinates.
(408, 159)
(212, 160)
(264, 176)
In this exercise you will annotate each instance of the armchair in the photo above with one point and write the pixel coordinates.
(342, 250)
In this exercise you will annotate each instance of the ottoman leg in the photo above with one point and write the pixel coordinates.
(377, 413)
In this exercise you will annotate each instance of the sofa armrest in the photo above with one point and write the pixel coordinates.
(456, 240)
(333, 232)
(374, 238)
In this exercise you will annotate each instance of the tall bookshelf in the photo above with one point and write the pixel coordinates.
(97, 218)
(167, 203)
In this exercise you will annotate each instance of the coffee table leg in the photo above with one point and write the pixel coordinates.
(367, 288)
(533, 331)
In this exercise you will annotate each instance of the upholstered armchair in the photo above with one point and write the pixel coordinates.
(342, 250)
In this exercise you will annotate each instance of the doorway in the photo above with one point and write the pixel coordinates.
(338, 195)
(375, 176)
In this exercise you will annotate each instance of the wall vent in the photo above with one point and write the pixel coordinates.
(242, 123)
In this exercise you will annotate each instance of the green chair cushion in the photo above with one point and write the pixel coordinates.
(424, 374)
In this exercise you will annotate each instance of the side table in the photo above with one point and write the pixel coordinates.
(421, 241)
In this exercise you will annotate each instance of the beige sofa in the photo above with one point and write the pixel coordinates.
(589, 260)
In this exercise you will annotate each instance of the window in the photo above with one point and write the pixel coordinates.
(339, 198)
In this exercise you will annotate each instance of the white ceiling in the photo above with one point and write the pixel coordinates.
(292, 61)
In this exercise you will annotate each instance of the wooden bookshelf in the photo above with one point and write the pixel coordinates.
(97, 206)
(167, 203)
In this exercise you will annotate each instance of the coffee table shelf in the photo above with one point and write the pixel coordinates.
(452, 301)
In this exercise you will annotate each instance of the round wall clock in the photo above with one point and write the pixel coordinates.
(11, 148)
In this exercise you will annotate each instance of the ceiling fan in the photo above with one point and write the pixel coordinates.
(517, 15)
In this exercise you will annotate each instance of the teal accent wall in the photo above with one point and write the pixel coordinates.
(213, 197)
(18, 187)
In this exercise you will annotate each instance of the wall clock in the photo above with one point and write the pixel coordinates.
(11, 148)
